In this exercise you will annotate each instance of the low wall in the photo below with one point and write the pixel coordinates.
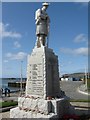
(16, 84)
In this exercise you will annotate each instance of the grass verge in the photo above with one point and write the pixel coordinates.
(79, 100)
(8, 104)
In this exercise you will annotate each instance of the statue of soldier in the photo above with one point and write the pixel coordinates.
(42, 25)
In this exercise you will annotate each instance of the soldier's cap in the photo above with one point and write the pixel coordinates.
(45, 4)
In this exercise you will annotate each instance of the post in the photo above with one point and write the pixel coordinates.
(21, 80)
(85, 76)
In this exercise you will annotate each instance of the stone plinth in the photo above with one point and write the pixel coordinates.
(35, 104)
(40, 108)
(17, 113)
(43, 97)
(43, 73)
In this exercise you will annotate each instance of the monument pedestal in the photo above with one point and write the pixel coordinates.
(43, 97)
(40, 108)
(42, 73)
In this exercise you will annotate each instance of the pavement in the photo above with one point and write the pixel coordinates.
(13, 96)
(81, 108)
(5, 115)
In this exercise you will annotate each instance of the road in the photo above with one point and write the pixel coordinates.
(71, 89)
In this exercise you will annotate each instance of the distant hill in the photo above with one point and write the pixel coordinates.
(76, 75)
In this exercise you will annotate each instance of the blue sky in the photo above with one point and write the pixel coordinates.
(68, 35)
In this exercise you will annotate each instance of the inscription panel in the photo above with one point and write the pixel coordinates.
(35, 87)
(35, 83)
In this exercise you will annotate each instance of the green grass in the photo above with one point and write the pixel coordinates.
(8, 104)
(72, 100)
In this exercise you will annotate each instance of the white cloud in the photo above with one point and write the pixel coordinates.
(17, 44)
(17, 56)
(80, 38)
(8, 55)
(5, 61)
(79, 51)
(8, 33)
(82, 3)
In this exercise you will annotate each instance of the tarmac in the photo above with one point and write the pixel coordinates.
(73, 90)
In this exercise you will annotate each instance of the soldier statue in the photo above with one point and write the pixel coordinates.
(42, 25)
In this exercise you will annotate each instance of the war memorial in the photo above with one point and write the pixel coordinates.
(43, 96)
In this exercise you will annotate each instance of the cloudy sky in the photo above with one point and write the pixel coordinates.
(68, 35)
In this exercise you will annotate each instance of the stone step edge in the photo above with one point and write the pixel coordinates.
(6, 109)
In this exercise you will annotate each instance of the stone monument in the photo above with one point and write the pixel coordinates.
(43, 97)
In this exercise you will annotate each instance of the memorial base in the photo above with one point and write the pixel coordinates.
(40, 108)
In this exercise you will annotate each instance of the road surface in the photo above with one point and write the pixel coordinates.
(71, 89)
